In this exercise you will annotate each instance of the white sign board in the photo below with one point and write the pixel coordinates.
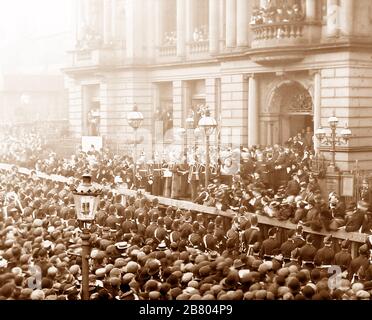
(88, 142)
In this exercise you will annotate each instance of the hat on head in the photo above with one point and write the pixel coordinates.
(122, 245)
(363, 205)
(363, 295)
(162, 246)
(37, 295)
(328, 239)
(254, 219)
(309, 238)
(363, 249)
(272, 231)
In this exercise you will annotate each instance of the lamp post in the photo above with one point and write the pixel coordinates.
(208, 124)
(135, 119)
(86, 198)
(333, 138)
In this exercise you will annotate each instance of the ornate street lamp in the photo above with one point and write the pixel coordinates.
(208, 125)
(135, 119)
(86, 198)
(333, 138)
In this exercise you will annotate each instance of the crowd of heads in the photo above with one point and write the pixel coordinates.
(143, 250)
(148, 251)
(273, 13)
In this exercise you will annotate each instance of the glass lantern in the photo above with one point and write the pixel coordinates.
(333, 121)
(135, 118)
(346, 133)
(86, 198)
(320, 133)
(190, 123)
(208, 124)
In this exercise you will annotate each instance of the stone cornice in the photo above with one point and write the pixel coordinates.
(347, 149)
(267, 55)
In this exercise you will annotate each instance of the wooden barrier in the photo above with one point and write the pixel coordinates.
(354, 237)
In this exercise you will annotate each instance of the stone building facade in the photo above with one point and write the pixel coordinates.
(266, 69)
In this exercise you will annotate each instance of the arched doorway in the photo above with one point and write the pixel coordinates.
(294, 105)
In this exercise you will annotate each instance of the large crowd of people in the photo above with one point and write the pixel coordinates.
(277, 13)
(147, 251)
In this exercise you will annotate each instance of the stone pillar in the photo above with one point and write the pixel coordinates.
(181, 28)
(222, 18)
(311, 8)
(158, 13)
(230, 23)
(270, 137)
(242, 22)
(346, 17)
(134, 29)
(214, 26)
(113, 19)
(252, 112)
(190, 16)
(84, 110)
(317, 103)
(178, 102)
(151, 28)
(332, 18)
(107, 21)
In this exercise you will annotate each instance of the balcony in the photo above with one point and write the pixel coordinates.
(198, 47)
(290, 37)
(168, 51)
(279, 34)
(95, 57)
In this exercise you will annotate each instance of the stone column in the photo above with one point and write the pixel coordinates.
(242, 22)
(346, 17)
(252, 112)
(190, 17)
(214, 26)
(332, 18)
(158, 13)
(317, 103)
(181, 28)
(222, 18)
(311, 8)
(269, 131)
(230, 23)
(113, 18)
(151, 28)
(107, 22)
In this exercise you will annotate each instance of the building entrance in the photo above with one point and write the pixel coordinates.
(294, 105)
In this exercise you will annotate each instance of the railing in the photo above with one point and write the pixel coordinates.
(96, 57)
(168, 51)
(84, 55)
(199, 47)
(284, 30)
(355, 237)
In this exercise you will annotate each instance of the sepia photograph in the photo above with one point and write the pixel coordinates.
(199, 152)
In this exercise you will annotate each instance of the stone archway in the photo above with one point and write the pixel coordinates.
(292, 104)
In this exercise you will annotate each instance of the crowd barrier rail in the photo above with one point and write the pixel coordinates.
(356, 238)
